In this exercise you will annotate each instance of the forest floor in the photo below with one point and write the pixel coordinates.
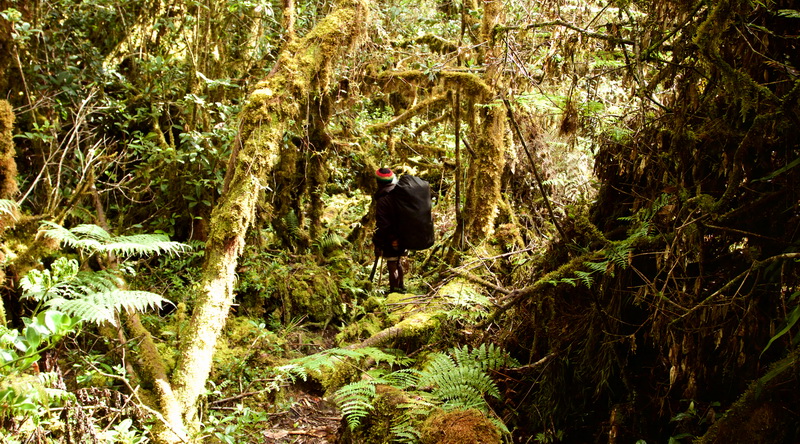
(311, 420)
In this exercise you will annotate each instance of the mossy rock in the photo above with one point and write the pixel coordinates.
(459, 427)
(310, 291)
(246, 340)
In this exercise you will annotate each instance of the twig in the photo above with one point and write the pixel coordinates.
(478, 280)
(586, 32)
(535, 170)
(742, 232)
(534, 364)
(141, 404)
(756, 265)
(233, 398)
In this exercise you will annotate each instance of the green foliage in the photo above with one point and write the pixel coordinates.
(20, 350)
(331, 241)
(92, 296)
(791, 321)
(92, 239)
(237, 426)
(330, 358)
(355, 400)
(617, 255)
(467, 303)
(21, 394)
(124, 433)
(454, 380)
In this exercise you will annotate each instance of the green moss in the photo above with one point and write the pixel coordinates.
(459, 427)
(309, 291)
(361, 329)
(245, 341)
(8, 167)
(168, 354)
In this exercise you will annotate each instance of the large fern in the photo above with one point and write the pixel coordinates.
(355, 400)
(456, 379)
(92, 296)
(92, 239)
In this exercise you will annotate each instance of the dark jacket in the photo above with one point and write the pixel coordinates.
(386, 223)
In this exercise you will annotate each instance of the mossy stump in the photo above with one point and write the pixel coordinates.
(459, 427)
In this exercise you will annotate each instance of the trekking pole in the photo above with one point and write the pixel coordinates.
(374, 267)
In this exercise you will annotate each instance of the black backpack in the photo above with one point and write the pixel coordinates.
(412, 198)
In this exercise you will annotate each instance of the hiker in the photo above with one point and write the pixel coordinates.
(386, 237)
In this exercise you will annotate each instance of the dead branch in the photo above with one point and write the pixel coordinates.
(586, 32)
(755, 266)
(535, 171)
(425, 126)
(452, 78)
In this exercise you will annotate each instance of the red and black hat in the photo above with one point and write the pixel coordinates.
(384, 175)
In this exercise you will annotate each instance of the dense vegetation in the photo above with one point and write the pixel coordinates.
(186, 220)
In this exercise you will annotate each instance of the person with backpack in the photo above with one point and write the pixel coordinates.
(403, 221)
(386, 238)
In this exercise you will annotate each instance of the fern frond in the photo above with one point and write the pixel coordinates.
(485, 357)
(355, 401)
(405, 378)
(102, 306)
(285, 375)
(465, 385)
(405, 432)
(585, 277)
(439, 364)
(331, 357)
(619, 254)
(330, 242)
(597, 267)
(9, 207)
(292, 224)
(93, 239)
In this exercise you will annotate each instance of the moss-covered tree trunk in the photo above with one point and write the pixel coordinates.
(303, 66)
(8, 166)
(485, 170)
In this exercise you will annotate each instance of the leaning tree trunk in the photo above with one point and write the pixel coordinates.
(303, 66)
(484, 174)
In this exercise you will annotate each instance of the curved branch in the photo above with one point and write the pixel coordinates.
(420, 107)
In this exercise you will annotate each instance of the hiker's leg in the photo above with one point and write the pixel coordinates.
(395, 273)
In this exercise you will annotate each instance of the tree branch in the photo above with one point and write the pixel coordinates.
(586, 32)
(420, 107)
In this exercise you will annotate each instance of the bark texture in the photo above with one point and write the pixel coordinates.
(484, 174)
